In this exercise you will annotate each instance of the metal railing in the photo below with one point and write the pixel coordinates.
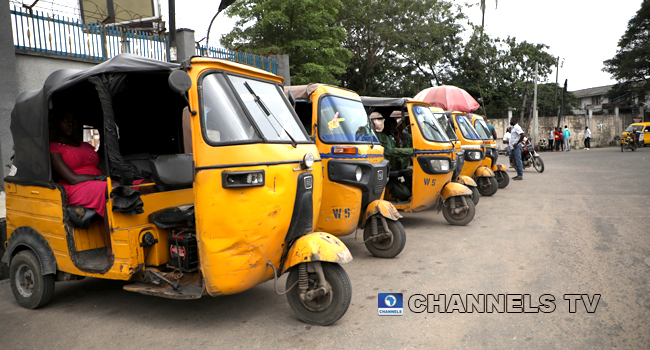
(45, 33)
(265, 63)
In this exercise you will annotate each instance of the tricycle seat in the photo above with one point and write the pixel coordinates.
(403, 172)
(173, 216)
(82, 217)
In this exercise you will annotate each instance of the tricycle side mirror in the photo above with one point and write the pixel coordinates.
(180, 82)
(292, 99)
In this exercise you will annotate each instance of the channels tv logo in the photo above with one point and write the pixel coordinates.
(390, 304)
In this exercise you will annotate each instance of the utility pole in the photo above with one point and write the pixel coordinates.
(557, 71)
(534, 133)
(173, 52)
(559, 117)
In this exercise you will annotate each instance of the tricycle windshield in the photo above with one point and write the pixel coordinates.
(261, 97)
(431, 129)
(466, 128)
(223, 118)
(482, 129)
(344, 121)
(631, 128)
(446, 125)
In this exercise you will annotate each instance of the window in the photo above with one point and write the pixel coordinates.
(466, 128)
(482, 129)
(431, 129)
(446, 125)
(343, 120)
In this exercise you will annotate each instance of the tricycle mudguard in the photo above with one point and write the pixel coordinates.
(384, 208)
(499, 167)
(466, 180)
(317, 246)
(483, 171)
(454, 189)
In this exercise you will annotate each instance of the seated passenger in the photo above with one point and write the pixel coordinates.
(75, 164)
(399, 158)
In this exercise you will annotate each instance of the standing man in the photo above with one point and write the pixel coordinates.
(566, 135)
(516, 141)
(493, 131)
(551, 137)
(587, 137)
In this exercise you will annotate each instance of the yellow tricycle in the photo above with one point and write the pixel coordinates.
(355, 171)
(459, 153)
(426, 182)
(472, 143)
(235, 186)
(491, 151)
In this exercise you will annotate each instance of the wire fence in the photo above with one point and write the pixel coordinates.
(41, 32)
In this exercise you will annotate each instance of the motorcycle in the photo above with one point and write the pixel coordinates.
(530, 157)
(630, 141)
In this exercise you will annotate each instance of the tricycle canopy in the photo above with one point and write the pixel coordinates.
(89, 92)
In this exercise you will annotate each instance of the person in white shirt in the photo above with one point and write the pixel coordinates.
(516, 142)
(587, 138)
(506, 141)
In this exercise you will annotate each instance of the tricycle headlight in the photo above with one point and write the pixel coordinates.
(440, 165)
(358, 174)
(308, 160)
(474, 155)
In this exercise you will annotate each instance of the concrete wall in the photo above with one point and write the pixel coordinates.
(603, 129)
(8, 81)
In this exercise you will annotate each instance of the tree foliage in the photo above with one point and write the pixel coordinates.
(303, 29)
(631, 64)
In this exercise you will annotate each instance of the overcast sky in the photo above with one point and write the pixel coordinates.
(583, 33)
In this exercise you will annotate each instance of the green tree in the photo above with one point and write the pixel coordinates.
(305, 30)
(399, 47)
(631, 64)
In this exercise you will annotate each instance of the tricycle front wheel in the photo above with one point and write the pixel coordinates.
(455, 215)
(325, 309)
(386, 244)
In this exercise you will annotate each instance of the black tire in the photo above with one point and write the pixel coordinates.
(475, 195)
(487, 186)
(31, 289)
(623, 148)
(538, 163)
(633, 146)
(389, 247)
(502, 178)
(337, 304)
(461, 219)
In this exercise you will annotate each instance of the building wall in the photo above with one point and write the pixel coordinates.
(603, 130)
(34, 69)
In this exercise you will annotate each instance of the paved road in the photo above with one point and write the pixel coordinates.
(581, 227)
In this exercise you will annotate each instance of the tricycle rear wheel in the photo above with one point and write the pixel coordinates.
(31, 288)
(388, 247)
(327, 309)
(475, 195)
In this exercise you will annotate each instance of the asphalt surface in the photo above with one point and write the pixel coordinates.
(581, 227)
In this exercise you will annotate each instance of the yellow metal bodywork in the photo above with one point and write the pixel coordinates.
(317, 246)
(338, 198)
(483, 171)
(454, 189)
(426, 187)
(499, 167)
(41, 209)
(383, 208)
(466, 180)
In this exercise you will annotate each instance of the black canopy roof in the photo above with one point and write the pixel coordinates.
(384, 101)
(29, 119)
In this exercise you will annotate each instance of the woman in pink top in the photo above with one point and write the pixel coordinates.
(76, 163)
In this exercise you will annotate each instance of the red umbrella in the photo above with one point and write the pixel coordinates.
(449, 98)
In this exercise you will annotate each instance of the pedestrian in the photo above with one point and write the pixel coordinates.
(566, 135)
(587, 138)
(516, 140)
(492, 130)
(558, 140)
(551, 137)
